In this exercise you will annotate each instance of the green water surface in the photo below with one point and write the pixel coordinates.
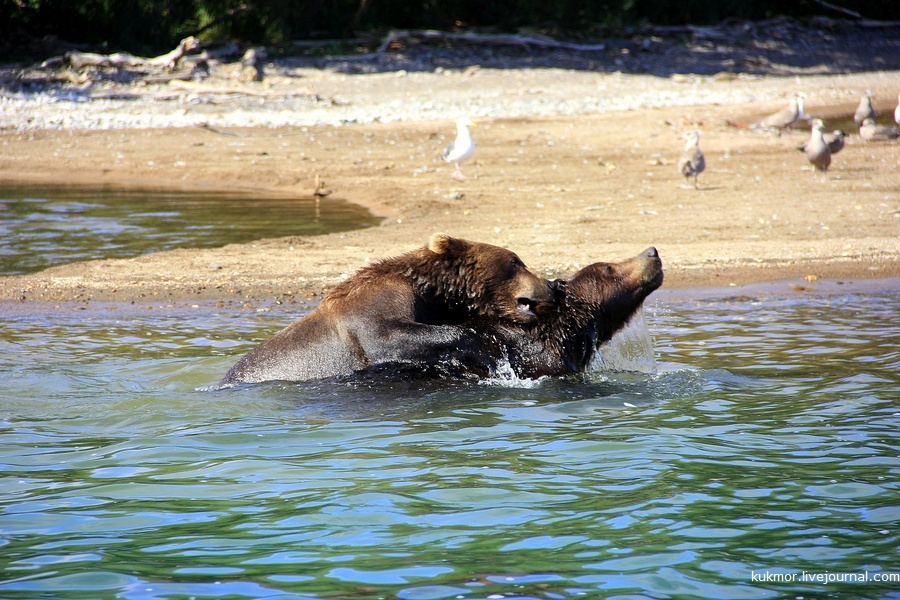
(766, 443)
(45, 226)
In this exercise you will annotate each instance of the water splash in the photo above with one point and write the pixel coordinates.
(631, 349)
(505, 376)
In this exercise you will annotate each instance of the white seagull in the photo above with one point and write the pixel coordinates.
(834, 141)
(870, 132)
(787, 117)
(864, 110)
(897, 111)
(691, 163)
(817, 151)
(461, 148)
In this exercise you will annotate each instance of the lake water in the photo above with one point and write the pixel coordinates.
(762, 446)
(45, 226)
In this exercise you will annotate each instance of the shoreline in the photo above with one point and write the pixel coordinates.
(750, 292)
(563, 186)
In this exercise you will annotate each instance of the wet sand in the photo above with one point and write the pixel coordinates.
(562, 191)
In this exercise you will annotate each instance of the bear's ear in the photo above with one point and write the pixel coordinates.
(441, 243)
(558, 288)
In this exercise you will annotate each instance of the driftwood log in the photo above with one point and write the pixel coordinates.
(168, 61)
(430, 35)
(160, 70)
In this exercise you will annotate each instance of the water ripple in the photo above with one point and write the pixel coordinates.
(764, 439)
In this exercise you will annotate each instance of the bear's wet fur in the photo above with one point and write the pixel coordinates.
(591, 307)
(413, 308)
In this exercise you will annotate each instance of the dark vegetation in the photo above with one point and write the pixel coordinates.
(37, 28)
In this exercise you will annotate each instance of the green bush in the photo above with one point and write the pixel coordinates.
(153, 26)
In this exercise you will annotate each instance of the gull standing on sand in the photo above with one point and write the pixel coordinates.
(817, 151)
(786, 117)
(870, 132)
(864, 110)
(835, 141)
(461, 148)
(692, 162)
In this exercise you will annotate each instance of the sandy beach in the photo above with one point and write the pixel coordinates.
(571, 167)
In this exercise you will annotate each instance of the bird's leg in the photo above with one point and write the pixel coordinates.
(457, 174)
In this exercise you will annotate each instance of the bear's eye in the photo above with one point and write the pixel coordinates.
(516, 262)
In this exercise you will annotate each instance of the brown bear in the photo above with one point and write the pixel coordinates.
(410, 308)
(593, 305)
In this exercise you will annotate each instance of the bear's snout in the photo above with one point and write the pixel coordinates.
(650, 252)
(651, 271)
(536, 296)
(526, 307)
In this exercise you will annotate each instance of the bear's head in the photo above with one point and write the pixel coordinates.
(611, 293)
(595, 303)
(490, 281)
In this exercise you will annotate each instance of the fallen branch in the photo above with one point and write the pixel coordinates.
(163, 79)
(431, 35)
(79, 60)
(169, 60)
